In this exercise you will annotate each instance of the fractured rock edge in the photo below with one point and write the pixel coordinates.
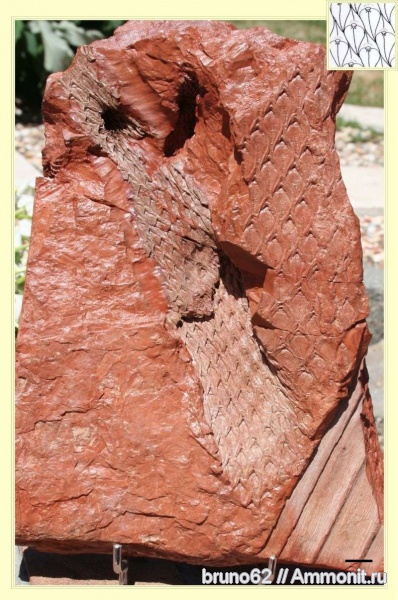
(301, 512)
(194, 292)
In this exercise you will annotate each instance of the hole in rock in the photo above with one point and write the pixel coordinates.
(186, 120)
(225, 127)
(114, 120)
(231, 276)
(238, 156)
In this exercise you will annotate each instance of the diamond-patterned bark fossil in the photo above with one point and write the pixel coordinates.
(194, 317)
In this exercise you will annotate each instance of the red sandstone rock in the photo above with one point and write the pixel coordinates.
(194, 315)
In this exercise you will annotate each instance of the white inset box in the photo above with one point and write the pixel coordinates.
(361, 36)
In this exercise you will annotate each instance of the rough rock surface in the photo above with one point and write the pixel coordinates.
(194, 315)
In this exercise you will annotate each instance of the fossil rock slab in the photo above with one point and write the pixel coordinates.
(194, 315)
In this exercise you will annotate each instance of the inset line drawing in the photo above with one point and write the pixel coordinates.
(362, 35)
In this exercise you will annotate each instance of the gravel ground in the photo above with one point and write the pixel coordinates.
(360, 147)
(356, 147)
(372, 236)
(29, 141)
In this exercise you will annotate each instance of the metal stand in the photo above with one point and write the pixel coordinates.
(120, 566)
(272, 562)
(269, 573)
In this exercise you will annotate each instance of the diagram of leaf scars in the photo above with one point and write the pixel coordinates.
(362, 35)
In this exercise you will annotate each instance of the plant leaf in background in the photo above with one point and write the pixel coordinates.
(76, 36)
(57, 52)
(32, 44)
(19, 27)
(43, 47)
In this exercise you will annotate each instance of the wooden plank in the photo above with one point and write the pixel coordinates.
(296, 503)
(376, 553)
(355, 528)
(339, 476)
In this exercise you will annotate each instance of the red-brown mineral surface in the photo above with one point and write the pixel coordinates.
(189, 355)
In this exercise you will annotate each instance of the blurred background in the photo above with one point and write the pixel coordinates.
(44, 47)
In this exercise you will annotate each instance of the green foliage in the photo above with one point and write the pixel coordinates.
(357, 132)
(23, 219)
(367, 88)
(44, 47)
(341, 122)
(305, 31)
